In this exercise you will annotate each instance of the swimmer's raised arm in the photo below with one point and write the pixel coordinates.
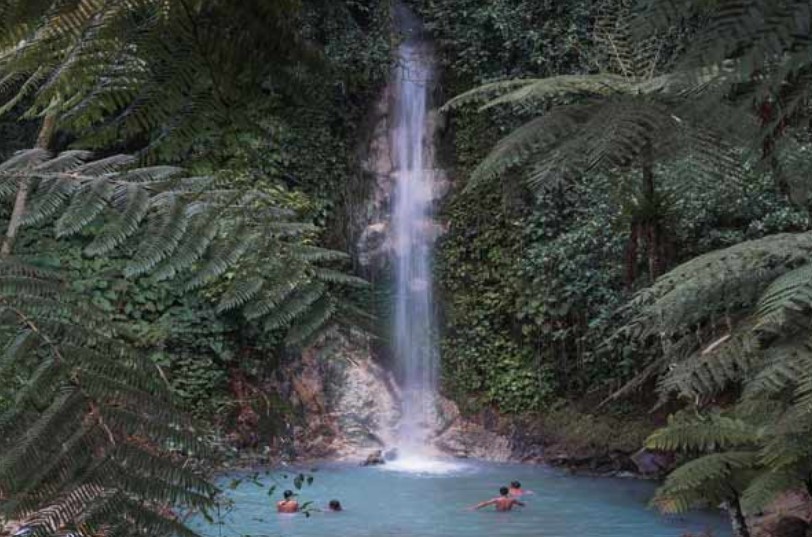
(484, 504)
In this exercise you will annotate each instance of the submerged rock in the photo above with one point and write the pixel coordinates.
(376, 457)
(651, 463)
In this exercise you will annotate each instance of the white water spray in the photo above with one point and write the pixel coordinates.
(415, 348)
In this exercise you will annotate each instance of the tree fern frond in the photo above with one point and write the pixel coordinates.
(202, 231)
(338, 277)
(709, 434)
(785, 299)
(151, 174)
(315, 254)
(273, 295)
(714, 368)
(730, 279)
(767, 486)
(220, 260)
(48, 199)
(239, 293)
(167, 233)
(85, 207)
(27, 88)
(702, 481)
(536, 136)
(485, 92)
(783, 364)
(548, 88)
(16, 349)
(105, 165)
(64, 162)
(294, 307)
(310, 324)
(132, 204)
(26, 159)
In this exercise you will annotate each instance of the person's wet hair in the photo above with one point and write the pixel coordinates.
(516, 485)
(504, 491)
(335, 505)
(287, 494)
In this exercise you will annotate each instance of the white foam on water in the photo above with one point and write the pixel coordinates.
(417, 464)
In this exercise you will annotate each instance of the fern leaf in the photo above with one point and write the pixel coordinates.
(132, 204)
(710, 434)
(788, 296)
(702, 481)
(314, 254)
(220, 260)
(273, 295)
(313, 322)
(48, 199)
(294, 307)
(29, 158)
(337, 277)
(239, 293)
(85, 207)
(194, 245)
(169, 229)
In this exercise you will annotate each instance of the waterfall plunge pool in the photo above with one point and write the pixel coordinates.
(383, 502)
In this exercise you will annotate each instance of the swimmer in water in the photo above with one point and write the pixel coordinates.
(335, 506)
(517, 490)
(503, 503)
(288, 505)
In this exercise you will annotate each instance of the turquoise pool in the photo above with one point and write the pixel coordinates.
(382, 502)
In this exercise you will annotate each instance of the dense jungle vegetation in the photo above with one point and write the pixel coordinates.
(178, 184)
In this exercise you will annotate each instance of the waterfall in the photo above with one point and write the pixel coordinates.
(413, 229)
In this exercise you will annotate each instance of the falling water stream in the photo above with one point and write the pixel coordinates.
(415, 348)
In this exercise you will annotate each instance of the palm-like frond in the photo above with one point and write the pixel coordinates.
(94, 423)
(708, 434)
(714, 368)
(728, 280)
(703, 481)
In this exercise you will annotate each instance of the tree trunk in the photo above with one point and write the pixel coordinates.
(737, 520)
(46, 133)
(766, 111)
(652, 227)
(631, 254)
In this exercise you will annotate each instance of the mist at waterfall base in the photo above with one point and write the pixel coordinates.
(378, 503)
(414, 347)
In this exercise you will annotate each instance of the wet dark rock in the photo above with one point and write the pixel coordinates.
(791, 526)
(374, 458)
(611, 464)
(650, 463)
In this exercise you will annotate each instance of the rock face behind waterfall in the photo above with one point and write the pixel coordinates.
(343, 403)
(346, 406)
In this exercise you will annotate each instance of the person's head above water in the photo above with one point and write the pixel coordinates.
(288, 494)
(504, 491)
(334, 505)
(515, 485)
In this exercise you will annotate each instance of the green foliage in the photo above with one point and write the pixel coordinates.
(92, 435)
(121, 71)
(508, 37)
(192, 229)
